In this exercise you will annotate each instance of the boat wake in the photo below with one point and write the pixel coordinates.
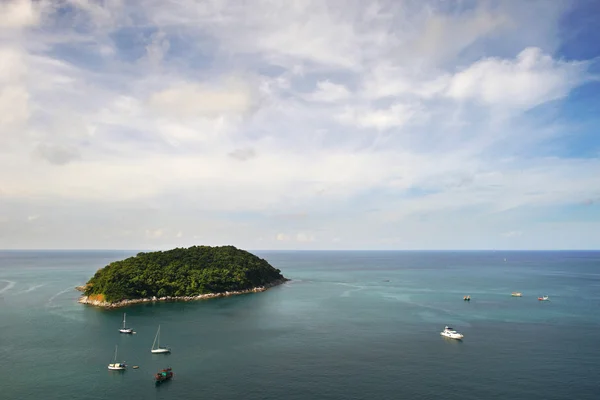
(8, 286)
(66, 315)
(355, 288)
(56, 309)
(51, 299)
(31, 289)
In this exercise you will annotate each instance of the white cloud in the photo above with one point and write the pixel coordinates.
(57, 154)
(14, 106)
(512, 234)
(304, 237)
(18, 13)
(14, 97)
(395, 116)
(329, 92)
(282, 237)
(389, 80)
(531, 79)
(187, 100)
(300, 237)
(445, 36)
(154, 233)
(157, 48)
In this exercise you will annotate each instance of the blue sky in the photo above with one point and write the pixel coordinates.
(299, 125)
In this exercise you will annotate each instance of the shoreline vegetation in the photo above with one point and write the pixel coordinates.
(99, 301)
(195, 273)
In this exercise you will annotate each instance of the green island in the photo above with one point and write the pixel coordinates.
(194, 273)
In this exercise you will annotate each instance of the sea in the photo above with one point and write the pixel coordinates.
(349, 325)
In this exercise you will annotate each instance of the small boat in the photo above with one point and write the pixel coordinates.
(516, 294)
(467, 298)
(451, 333)
(544, 298)
(115, 366)
(164, 375)
(158, 349)
(124, 329)
(135, 367)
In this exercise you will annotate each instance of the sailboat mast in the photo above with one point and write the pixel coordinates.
(116, 353)
(156, 337)
(124, 314)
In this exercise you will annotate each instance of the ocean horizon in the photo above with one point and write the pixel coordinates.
(349, 325)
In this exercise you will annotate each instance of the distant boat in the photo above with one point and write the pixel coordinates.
(467, 298)
(451, 333)
(158, 349)
(124, 329)
(544, 298)
(516, 294)
(115, 366)
(163, 375)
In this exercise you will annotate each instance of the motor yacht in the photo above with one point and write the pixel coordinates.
(451, 333)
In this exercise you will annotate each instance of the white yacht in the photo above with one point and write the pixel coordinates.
(124, 329)
(451, 333)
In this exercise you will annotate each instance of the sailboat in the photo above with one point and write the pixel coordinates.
(115, 366)
(123, 329)
(158, 349)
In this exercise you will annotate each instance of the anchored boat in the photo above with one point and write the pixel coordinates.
(544, 298)
(158, 349)
(124, 329)
(451, 333)
(115, 366)
(163, 375)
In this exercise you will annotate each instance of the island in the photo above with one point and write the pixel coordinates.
(181, 274)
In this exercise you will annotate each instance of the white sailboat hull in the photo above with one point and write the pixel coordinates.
(160, 351)
(115, 366)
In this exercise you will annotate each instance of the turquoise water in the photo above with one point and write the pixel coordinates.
(350, 325)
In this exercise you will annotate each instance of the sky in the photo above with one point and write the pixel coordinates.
(417, 124)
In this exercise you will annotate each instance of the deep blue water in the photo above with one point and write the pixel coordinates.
(350, 325)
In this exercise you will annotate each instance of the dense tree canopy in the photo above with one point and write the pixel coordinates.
(182, 272)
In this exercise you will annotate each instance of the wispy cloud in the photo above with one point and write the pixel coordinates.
(371, 121)
(512, 234)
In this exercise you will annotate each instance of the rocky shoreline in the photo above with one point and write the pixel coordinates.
(126, 302)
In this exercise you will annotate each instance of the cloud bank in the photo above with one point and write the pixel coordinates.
(391, 124)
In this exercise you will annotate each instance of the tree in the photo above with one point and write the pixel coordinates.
(178, 272)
